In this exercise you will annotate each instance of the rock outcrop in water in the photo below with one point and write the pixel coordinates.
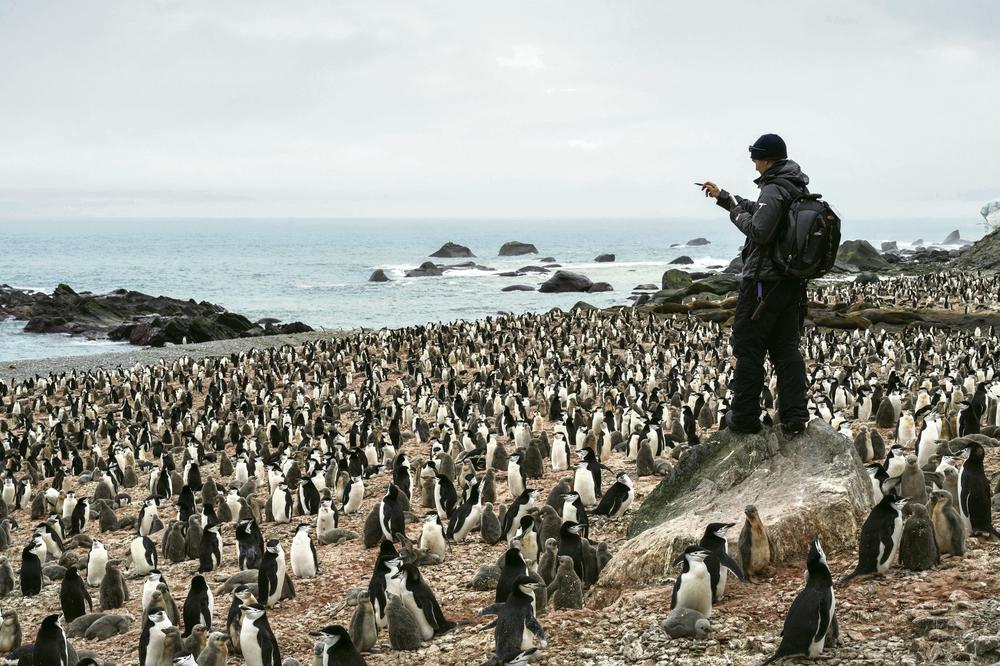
(378, 275)
(517, 248)
(859, 255)
(451, 250)
(132, 316)
(563, 281)
(812, 484)
(604, 258)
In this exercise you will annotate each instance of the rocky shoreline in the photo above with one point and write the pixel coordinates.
(133, 317)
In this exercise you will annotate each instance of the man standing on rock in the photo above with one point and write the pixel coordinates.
(771, 305)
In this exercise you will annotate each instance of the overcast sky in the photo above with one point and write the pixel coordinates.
(490, 109)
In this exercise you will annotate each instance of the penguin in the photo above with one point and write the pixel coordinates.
(445, 496)
(96, 564)
(974, 498)
(73, 596)
(693, 587)
(81, 517)
(303, 555)
(242, 596)
(812, 617)
(587, 482)
(516, 628)
(467, 517)
(144, 558)
(192, 536)
(152, 640)
(152, 582)
(917, 546)
(32, 557)
(432, 536)
(420, 600)
(566, 589)
(51, 647)
(390, 514)
(879, 542)
(338, 648)
(363, 630)
(257, 641)
(250, 543)
(911, 482)
(211, 550)
(6, 579)
(754, 545)
(10, 632)
(215, 652)
(490, 530)
(196, 641)
(404, 632)
(354, 493)
(573, 511)
(199, 605)
(571, 545)
(281, 504)
(114, 591)
(548, 564)
(174, 542)
(560, 453)
(949, 530)
(512, 569)
(516, 479)
(518, 509)
(617, 499)
(714, 541)
(385, 566)
(526, 540)
(270, 576)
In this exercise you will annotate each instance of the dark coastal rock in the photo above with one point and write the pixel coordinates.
(683, 260)
(125, 315)
(563, 281)
(598, 287)
(860, 255)
(464, 266)
(518, 287)
(547, 260)
(604, 258)
(378, 276)
(735, 266)
(889, 246)
(718, 284)
(695, 242)
(645, 287)
(984, 254)
(675, 278)
(426, 269)
(517, 248)
(866, 277)
(955, 238)
(533, 269)
(451, 250)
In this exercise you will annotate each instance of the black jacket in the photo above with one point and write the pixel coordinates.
(759, 220)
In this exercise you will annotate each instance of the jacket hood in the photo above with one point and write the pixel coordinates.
(786, 170)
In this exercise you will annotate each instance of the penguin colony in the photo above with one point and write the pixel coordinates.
(434, 435)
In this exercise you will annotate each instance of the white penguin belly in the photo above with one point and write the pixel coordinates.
(696, 591)
(472, 522)
(584, 486)
(248, 645)
(426, 630)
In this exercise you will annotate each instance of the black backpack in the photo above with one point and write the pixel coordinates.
(806, 244)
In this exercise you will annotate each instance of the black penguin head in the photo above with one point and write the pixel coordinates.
(253, 611)
(52, 622)
(331, 634)
(717, 530)
(524, 585)
(898, 502)
(571, 497)
(571, 527)
(693, 553)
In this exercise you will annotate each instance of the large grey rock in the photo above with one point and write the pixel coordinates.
(719, 284)
(604, 258)
(861, 255)
(516, 248)
(563, 281)
(426, 269)
(378, 275)
(683, 260)
(889, 246)
(451, 250)
(955, 238)
(675, 278)
(696, 242)
(814, 483)
(518, 287)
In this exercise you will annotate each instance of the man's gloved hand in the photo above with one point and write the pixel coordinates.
(710, 189)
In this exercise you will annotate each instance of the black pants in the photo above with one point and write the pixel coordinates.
(775, 332)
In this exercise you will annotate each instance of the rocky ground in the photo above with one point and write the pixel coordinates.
(946, 615)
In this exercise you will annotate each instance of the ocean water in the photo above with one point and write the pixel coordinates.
(316, 271)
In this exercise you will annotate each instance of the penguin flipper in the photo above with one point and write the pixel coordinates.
(492, 609)
(535, 627)
(733, 566)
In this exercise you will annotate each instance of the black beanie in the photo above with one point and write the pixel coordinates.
(769, 147)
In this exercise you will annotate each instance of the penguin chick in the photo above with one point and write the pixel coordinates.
(949, 530)
(754, 545)
(566, 590)
(917, 547)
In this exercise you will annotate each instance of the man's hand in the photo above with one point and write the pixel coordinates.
(710, 189)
